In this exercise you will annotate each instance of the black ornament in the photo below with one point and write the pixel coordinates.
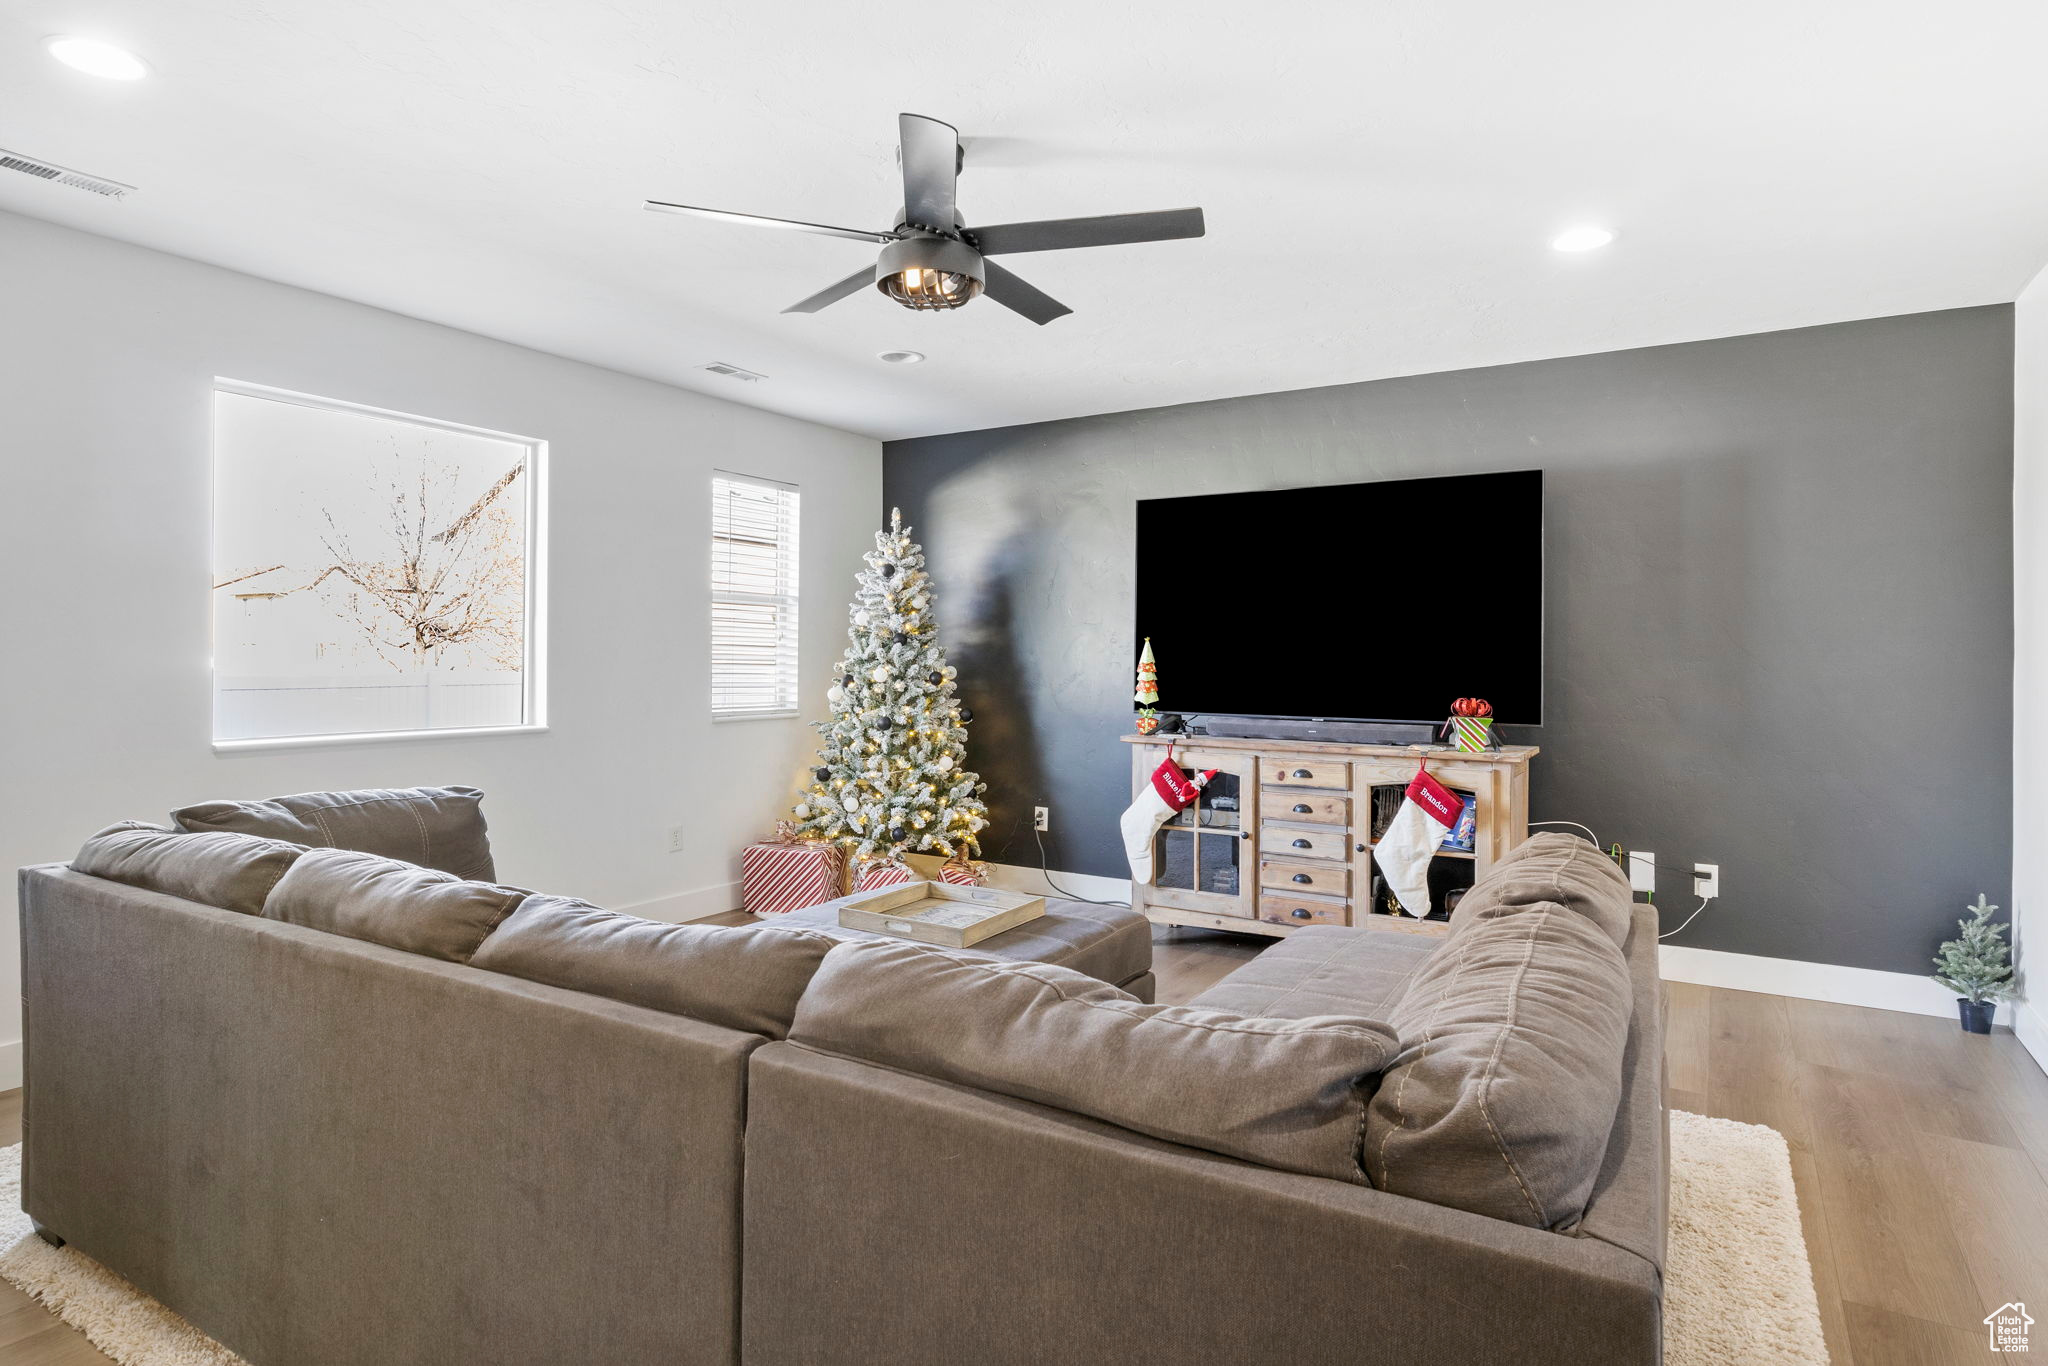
(888, 571)
(966, 715)
(821, 773)
(898, 833)
(936, 677)
(846, 680)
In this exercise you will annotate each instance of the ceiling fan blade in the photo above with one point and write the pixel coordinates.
(1110, 230)
(756, 220)
(832, 294)
(931, 170)
(1013, 293)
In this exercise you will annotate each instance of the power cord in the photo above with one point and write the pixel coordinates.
(1619, 855)
(1689, 919)
(1045, 871)
(1574, 825)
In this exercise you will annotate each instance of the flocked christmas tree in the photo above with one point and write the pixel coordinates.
(1978, 966)
(891, 776)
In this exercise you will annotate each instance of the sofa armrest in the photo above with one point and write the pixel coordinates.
(938, 1224)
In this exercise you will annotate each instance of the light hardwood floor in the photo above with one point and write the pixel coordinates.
(1921, 1155)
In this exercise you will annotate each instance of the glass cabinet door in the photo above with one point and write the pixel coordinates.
(1199, 856)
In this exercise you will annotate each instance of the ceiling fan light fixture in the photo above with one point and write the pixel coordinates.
(928, 291)
(928, 273)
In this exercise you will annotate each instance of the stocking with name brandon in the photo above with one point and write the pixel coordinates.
(1166, 796)
(1427, 814)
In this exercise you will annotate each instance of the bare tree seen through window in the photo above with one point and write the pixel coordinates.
(440, 580)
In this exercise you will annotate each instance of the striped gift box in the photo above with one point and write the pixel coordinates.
(1472, 734)
(881, 873)
(965, 872)
(776, 878)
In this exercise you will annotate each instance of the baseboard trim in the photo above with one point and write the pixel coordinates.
(2032, 1030)
(678, 907)
(1902, 991)
(10, 1065)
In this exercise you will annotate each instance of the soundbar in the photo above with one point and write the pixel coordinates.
(1348, 732)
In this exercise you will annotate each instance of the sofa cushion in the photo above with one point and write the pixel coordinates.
(1282, 1093)
(233, 872)
(741, 976)
(1509, 1075)
(1324, 970)
(1552, 869)
(399, 905)
(435, 827)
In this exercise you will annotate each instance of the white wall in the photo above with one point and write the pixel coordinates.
(108, 353)
(2030, 660)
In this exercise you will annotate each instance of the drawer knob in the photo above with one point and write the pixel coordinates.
(1358, 848)
(1303, 877)
(1302, 808)
(1301, 844)
(1302, 913)
(1303, 773)
(1245, 835)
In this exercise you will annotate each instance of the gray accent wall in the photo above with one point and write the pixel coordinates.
(1779, 604)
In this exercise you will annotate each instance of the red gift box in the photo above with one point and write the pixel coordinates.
(787, 874)
(875, 873)
(966, 872)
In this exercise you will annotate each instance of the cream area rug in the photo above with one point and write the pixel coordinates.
(1737, 1285)
(1737, 1290)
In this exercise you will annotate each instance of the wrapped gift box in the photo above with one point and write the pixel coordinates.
(874, 873)
(1473, 734)
(787, 874)
(963, 872)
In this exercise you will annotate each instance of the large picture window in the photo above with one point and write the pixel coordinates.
(373, 573)
(753, 597)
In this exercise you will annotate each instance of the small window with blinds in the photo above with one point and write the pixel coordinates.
(753, 597)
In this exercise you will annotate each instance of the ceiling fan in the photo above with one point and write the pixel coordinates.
(931, 260)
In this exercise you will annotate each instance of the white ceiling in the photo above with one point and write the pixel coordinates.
(1380, 180)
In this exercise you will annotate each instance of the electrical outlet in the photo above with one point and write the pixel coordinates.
(1642, 871)
(1041, 818)
(678, 837)
(1706, 880)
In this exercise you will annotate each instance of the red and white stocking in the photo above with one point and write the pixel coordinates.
(1168, 794)
(1412, 839)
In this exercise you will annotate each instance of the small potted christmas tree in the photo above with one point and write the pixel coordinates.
(1977, 967)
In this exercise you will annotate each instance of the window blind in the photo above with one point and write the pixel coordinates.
(753, 597)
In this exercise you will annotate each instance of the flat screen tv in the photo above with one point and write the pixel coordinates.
(1359, 602)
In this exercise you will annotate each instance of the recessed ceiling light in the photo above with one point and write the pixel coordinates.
(1585, 237)
(902, 357)
(96, 58)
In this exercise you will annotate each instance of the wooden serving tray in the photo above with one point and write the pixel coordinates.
(943, 913)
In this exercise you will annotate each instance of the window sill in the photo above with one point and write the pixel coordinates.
(718, 717)
(377, 737)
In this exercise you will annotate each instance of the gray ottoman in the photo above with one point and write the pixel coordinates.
(1112, 944)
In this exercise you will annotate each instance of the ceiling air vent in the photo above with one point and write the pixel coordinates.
(719, 367)
(60, 175)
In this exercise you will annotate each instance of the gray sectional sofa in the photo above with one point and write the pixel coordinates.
(339, 1106)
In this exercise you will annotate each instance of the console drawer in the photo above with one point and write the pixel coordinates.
(1277, 803)
(1281, 909)
(1299, 876)
(1304, 841)
(1332, 773)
